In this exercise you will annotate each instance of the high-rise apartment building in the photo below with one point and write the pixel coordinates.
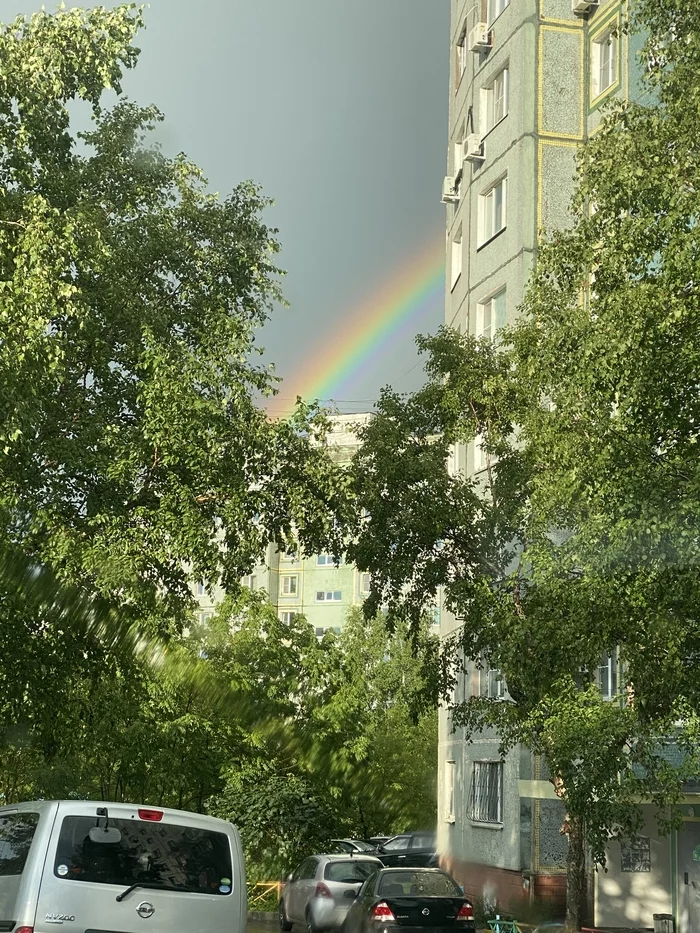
(528, 80)
(312, 586)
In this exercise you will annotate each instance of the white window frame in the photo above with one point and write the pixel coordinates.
(328, 596)
(456, 258)
(458, 151)
(327, 560)
(487, 323)
(493, 207)
(479, 454)
(461, 54)
(289, 584)
(249, 581)
(491, 683)
(496, 7)
(365, 580)
(604, 62)
(607, 676)
(288, 617)
(487, 779)
(494, 100)
(450, 767)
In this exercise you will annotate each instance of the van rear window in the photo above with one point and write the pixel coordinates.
(16, 834)
(167, 855)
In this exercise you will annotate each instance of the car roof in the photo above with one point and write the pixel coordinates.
(386, 871)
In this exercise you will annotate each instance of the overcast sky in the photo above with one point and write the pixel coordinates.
(338, 108)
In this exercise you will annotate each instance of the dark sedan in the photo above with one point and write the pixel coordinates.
(408, 850)
(413, 900)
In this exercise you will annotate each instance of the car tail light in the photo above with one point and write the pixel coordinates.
(322, 890)
(466, 912)
(152, 816)
(382, 911)
(24, 930)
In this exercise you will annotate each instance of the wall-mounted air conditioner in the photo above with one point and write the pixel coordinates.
(449, 194)
(583, 6)
(479, 37)
(473, 148)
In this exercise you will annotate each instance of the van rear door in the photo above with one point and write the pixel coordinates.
(126, 869)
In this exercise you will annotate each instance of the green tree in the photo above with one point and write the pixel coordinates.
(133, 454)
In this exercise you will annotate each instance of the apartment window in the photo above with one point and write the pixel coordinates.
(479, 453)
(492, 211)
(320, 632)
(636, 855)
(206, 617)
(288, 617)
(289, 584)
(462, 53)
(603, 63)
(607, 676)
(491, 683)
(288, 556)
(449, 791)
(364, 583)
(496, 7)
(491, 315)
(327, 560)
(201, 590)
(458, 150)
(456, 257)
(495, 101)
(486, 801)
(328, 596)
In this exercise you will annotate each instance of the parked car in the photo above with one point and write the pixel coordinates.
(110, 866)
(352, 845)
(399, 900)
(378, 840)
(409, 850)
(320, 891)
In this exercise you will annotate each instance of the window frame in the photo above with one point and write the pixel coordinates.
(492, 14)
(605, 38)
(450, 769)
(292, 591)
(488, 99)
(326, 593)
(478, 810)
(461, 55)
(456, 257)
(480, 330)
(488, 210)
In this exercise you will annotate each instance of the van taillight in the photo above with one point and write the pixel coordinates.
(466, 912)
(153, 816)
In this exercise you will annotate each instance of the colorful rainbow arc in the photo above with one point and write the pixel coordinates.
(414, 288)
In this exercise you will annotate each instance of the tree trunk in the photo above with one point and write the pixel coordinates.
(576, 894)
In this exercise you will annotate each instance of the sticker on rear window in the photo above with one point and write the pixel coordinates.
(224, 888)
(62, 870)
(226, 881)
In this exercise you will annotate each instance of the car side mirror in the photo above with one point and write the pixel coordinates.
(290, 877)
(350, 894)
(381, 849)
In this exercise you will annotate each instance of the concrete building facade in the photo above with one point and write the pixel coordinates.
(528, 79)
(312, 586)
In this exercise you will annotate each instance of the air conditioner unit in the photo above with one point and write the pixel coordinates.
(583, 6)
(473, 148)
(479, 37)
(449, 194)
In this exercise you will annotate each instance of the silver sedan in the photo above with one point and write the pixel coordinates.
(322, 889)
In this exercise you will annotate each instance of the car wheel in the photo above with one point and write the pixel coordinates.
(285, 924)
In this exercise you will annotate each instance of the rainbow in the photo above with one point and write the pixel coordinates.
(414, 287)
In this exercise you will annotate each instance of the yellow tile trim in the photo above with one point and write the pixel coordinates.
(582, 79)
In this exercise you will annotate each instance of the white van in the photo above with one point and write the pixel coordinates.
(96, 867)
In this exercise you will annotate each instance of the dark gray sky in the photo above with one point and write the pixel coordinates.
(338, 108)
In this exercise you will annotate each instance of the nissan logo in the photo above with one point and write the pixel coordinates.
(145, 910)
(425, 912)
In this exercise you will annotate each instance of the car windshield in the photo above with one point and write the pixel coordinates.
(351, 872)
(398, 842)
(179, 857)
(362, 846)
(418, 883)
